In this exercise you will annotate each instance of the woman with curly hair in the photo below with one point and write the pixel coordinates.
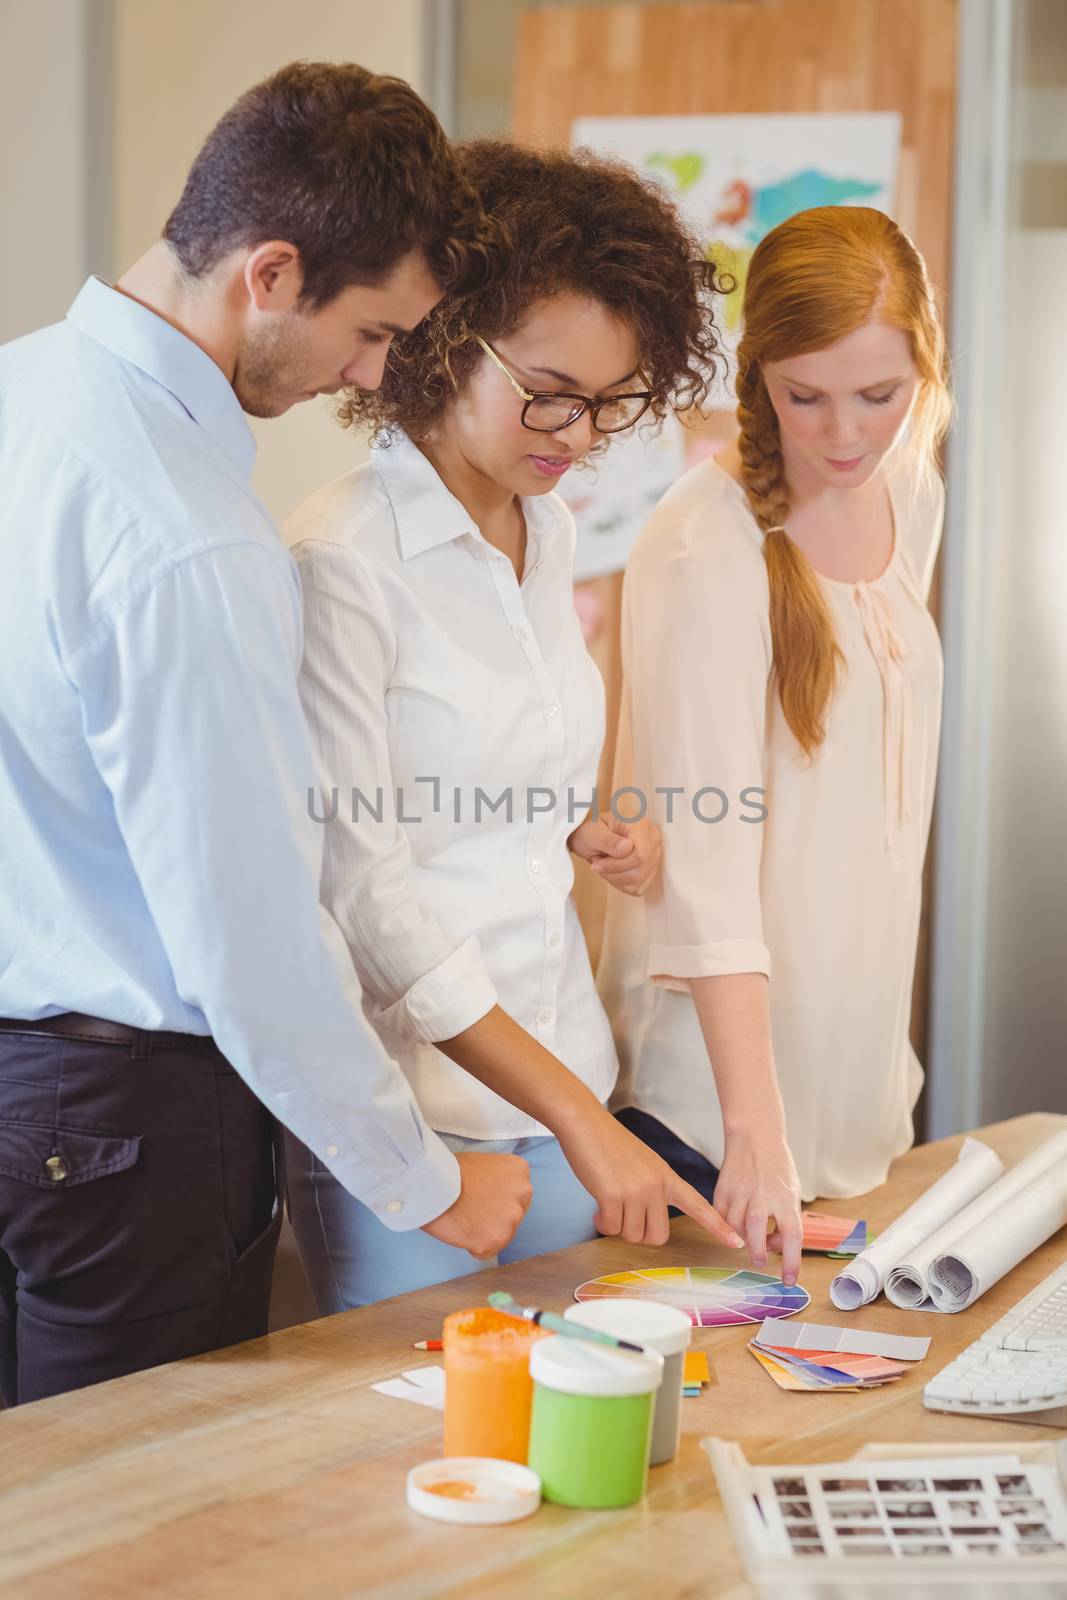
(778, 645)
(458, 718)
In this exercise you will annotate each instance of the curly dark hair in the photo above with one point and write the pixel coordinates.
(571, 220)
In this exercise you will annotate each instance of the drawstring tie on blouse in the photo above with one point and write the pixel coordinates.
(889, 650)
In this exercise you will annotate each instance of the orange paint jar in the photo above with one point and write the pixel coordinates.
(488, 1389)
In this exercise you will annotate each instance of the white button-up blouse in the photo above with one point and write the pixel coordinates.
(458, 720)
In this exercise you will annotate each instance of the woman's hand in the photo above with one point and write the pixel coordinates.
(757, 1185)
(625, 854)
(631, 1184)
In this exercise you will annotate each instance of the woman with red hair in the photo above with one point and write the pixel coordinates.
(779, 653)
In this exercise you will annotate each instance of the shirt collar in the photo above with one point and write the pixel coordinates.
(139, 336)
(428, 514)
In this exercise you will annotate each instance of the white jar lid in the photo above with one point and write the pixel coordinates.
(577, 1366)
(663, 1328)
(491, 1491)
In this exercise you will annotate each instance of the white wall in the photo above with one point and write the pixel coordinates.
(1000, 925)
(177, 69)
(43, 191)
(1025, 998)
(103, 105)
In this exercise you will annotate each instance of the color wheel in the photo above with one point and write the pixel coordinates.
(714, 1297)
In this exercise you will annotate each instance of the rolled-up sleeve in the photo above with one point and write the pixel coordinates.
(421, 982)
(191, 709)
(696, 651)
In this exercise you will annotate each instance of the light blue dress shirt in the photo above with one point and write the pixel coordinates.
(159, 864)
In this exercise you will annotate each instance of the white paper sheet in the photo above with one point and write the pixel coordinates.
(1003, 1221)
(423, 1386)
(975, 1170)
(430, 1378)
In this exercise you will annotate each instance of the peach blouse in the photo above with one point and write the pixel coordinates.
(807, 870)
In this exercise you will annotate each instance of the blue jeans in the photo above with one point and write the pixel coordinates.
(352, 1259)
(686, 1162)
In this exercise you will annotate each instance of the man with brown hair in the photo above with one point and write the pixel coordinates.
(168, 981)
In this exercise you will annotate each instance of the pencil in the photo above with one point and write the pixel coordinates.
(429, 1344)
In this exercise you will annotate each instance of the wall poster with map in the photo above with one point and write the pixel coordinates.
(736, 178)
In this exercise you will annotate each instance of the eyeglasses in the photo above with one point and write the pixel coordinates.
(548, 413)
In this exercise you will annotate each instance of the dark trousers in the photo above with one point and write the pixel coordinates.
(138, 1220)
(686, 1162)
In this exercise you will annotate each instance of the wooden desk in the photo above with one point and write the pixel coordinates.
(272, 1470)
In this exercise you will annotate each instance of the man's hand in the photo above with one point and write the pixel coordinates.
(495, 1197)
(625, 854)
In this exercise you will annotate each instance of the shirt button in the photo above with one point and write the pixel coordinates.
(395, 1207)
(537, 866)
(522, 633)
(544, 1016)
(554, 938)
(552, 711)
(332, 1150)
(56, 1168)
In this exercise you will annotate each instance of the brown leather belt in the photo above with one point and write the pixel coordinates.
(99, 1030)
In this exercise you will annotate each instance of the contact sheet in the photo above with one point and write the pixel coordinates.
(881, 1516)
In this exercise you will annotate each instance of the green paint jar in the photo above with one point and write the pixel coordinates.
(592, 1421)
(656, 1327)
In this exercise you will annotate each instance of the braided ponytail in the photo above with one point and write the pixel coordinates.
(806, 655)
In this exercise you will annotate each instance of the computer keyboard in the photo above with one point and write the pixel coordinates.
(1019, 1365)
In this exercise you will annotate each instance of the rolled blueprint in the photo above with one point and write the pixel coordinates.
(908, 1285)
(976, 1168)
(1026, 1207)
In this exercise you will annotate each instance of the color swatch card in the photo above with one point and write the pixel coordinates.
(811, 1356)
(695, 1368)
(714, 1297)
(807, 1336)
(783, 1375)
(813, 1373)
(838, 1236)
(695, 1373)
